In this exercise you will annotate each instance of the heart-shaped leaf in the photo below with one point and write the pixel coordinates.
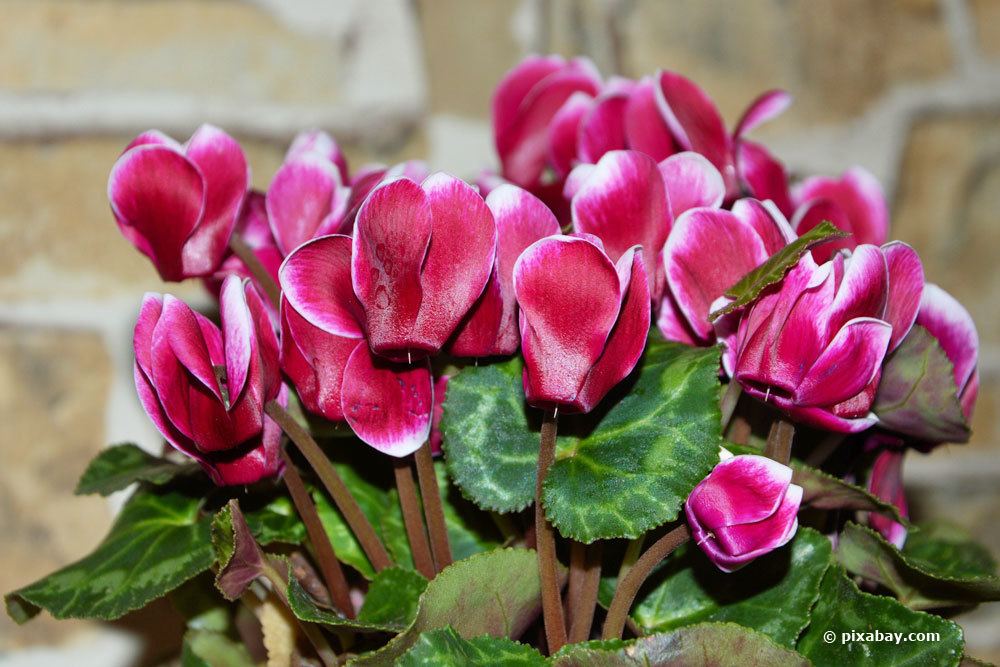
(689, 589)
(774, 269)
(716, 644)
(158, 541)
(827, 492)
(933, 571)
(917, 394)
(633, 472)
(120, 465)
(446, 648)
(496, 593)
(844, 622)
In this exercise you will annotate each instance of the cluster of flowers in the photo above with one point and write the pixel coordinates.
(384, 268)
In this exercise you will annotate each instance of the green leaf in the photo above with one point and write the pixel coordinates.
(777, 265)
(689, 589)
(446, 648)
(158, 542)
(633, 472)
(827, 492)
(948, 550)
(496, 593)
(483, 408)
(470, 530)
(120, 465)
(204, 648)
(936, 572)
(390, 606)
(917, 394)
(275, 521)
(374, 502)
(842, 610)
(716, 644)
(239, 557)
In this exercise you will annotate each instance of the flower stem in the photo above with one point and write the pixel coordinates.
(348, 506)
(552, 611)
(311, 631)
(729, 401)
(629, 586)
(433, 508)
(412, 519)
(632, 553)
(326, 557)
(252, 262)
(583, 601)
(779, 441)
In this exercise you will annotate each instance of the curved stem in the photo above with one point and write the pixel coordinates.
(348, 506)
(279, 582)
(779, 441)
(552, 611)
(326, 557)
(433, 508)
(629, 587)
(729, 401)
(412, 519)
(253, 263)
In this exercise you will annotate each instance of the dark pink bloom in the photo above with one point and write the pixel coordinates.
(708, 251)
(490, 328)
(745, 508)
(387, 404)
(584, 320)
(205, 388)
(178, 203)
(627, 199)
(886, 482)
(854, 203)
(950, 323)
(813, 345)
(524, 105)
(321, 144)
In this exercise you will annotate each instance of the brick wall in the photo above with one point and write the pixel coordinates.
(909, 89)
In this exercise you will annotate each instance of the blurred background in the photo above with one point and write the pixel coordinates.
(909, 89)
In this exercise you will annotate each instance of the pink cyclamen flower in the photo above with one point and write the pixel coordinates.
(524, 105)
(490, 328)
(387, 404)
(886, 483)
(854, 203)
(627, 199)
(205, 389)
(708, 251)
(584, 320)
(178, 203)
(950, 323)
(813, 345)
(745, 508)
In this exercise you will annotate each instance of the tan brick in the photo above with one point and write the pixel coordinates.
(986, 19)
(53, 391)
(223, 49)
(468, 47)
(835, 56)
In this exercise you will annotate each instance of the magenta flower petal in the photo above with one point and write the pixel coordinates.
(515, 86)
(623, 202)
(847, 365)
(743, 489)
(322, 144)
(906, 286)
(478, 334)
(314, 361)
(440, 389)
(691, 182)
(627, 339)
(238, 330)
(767, 106)
(886, 482)
(950, 323)
(459, 259)
(255, 460)
(182, 331)
(564, 131)
(769, 223)
(157, 196)
(569, 295)
(694, 119)
(863, 209)
(763, 175)
(303, 195)
(223, 166)
(391, 236)
(387, 405)
(708, 251)
(752, 540)
(672, 323)
(316, 280)
(863, 289)
(603, 128)
(645, 128)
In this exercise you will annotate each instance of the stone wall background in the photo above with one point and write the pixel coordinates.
(909, 89)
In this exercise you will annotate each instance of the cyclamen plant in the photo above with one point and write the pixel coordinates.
(634, 386)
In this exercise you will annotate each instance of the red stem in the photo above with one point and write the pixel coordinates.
(552, 611)
(433, 508)
(412, 518)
